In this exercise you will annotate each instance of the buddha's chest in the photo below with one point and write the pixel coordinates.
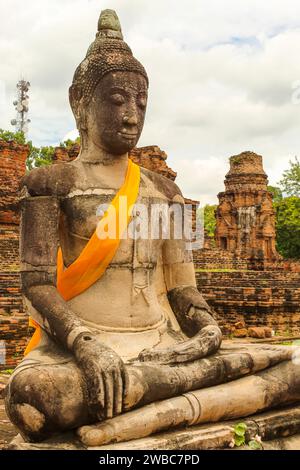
(80, 214)
(141, 243)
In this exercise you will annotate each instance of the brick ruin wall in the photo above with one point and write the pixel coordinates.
(260, 298)
(13, 321)
(210, 259)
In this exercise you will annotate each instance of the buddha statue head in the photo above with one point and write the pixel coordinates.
(108, 95)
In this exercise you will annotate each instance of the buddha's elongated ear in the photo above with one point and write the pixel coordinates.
(79, 109)
(75, 97)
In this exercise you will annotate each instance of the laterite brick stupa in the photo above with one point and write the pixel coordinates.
(245, 215)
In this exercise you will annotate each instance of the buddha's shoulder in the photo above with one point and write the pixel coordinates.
(162, 184)
(50, 180)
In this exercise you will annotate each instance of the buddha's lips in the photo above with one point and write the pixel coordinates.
(127, 135)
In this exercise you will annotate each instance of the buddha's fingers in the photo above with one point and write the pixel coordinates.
(186, 352)
(206, 342)
(109, 393)
(212, 335)
(126, 384)
(101, 397)
(118, 393)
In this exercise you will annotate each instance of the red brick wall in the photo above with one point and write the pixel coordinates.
(12, 168)
(13, 322)
(214, 259)
(265, 298)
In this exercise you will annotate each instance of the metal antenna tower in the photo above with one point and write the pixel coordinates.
(22, 106)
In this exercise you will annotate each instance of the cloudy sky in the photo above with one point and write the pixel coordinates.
(224, 76)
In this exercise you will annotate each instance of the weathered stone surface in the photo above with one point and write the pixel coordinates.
(277, 429)
(64, 442)
(289, 443)
(236, 399)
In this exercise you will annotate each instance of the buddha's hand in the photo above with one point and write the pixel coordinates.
(204, 343)
(104, 372)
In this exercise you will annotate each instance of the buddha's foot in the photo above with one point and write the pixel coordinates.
(275, 386)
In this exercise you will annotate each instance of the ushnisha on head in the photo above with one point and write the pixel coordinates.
(108, 95)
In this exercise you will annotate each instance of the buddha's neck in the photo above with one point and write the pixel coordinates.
(109, 168)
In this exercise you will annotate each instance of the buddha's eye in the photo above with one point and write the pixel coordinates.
(117, 99)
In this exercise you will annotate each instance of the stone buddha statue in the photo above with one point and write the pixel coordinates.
(120, 325)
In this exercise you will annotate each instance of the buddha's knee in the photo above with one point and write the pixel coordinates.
(27, 417)
(44, 400)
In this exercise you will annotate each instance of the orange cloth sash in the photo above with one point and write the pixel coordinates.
(100, 249)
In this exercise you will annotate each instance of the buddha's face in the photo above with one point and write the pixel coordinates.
(116, 112)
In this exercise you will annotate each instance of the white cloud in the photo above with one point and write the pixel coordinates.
(221, 76)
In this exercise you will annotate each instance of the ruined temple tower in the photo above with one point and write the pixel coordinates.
(245, 215)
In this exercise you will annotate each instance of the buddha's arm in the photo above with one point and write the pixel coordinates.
(101, 367)
(191, 310)
(38, 249)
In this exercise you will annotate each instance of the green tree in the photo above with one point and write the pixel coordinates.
(8, 136)
(69, 143)
(290, 182)
(210, 219)
(288, 227)
(43, 156)
(39, 156)
(276, 192)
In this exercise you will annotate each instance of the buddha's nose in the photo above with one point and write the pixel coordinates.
(130, 119)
